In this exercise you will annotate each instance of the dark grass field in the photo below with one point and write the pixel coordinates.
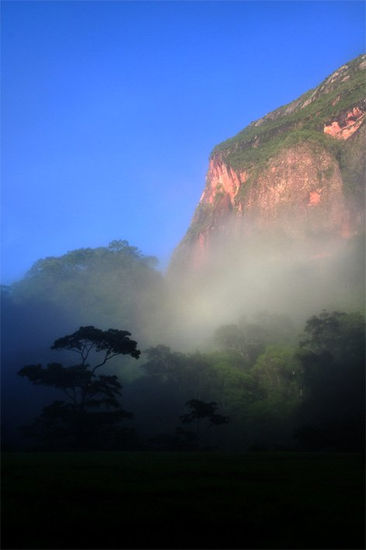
(182, 500)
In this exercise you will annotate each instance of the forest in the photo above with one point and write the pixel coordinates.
(263, 382)
(140, 410)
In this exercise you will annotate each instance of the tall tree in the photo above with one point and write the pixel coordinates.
(91, 413)
(200, 410)
(332, 355)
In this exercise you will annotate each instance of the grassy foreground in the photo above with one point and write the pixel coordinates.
(182, 500)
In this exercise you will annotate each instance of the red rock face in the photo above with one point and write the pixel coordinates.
(298, 193)
(347, 125)
(306, 193)
(315, 197)
(300, 190)
(221, 179)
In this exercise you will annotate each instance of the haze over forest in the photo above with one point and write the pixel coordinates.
(183, 337)
(261, 306)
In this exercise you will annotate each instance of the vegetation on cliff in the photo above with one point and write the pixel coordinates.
(301, 120)
(299, 170)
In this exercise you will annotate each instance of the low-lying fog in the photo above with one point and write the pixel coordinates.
(271, 283)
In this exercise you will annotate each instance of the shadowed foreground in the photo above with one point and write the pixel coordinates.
(182, 500)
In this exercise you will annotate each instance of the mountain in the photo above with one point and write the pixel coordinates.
(298, 173)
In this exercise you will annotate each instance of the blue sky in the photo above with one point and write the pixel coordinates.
(110, 109)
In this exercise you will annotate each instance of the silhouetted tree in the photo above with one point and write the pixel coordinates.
(201, 410)
(91, 413)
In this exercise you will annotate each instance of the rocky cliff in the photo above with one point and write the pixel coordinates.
(299, 172)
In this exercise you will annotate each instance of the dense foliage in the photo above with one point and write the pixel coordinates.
(276, 393)
(107, 286)
(103, 286)
(275, 390)
(332, 356)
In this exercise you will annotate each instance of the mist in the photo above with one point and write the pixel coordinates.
(250, 271)
(266, 285)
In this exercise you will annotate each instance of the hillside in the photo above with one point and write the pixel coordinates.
(299, 171)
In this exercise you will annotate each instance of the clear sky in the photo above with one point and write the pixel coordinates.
(110, 109)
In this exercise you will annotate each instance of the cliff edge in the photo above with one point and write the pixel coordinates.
(298, 172)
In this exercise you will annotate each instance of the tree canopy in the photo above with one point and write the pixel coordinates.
(99, 286)
(332, 355)
(92, 406)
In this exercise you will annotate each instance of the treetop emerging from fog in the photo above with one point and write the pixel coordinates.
(86, 339)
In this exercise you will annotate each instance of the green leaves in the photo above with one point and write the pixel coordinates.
(105, 286)
(300, 121)
(332, 356)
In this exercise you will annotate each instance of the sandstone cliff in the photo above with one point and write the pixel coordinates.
(299, 172)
